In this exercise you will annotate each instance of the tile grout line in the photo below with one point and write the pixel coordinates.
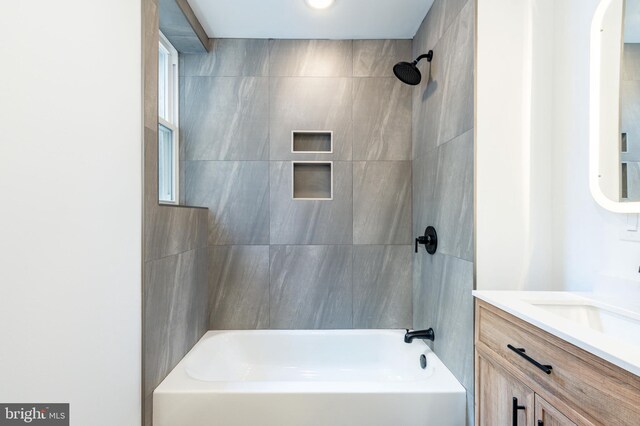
(435, 148)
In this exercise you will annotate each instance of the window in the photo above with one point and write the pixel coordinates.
(168, 135)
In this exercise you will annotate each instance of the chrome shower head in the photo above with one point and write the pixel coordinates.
(408, 72)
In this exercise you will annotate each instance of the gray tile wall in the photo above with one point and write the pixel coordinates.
(443, 120)
(174, 281)
(275, 262)
(175, 314)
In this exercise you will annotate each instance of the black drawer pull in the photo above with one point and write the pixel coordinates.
(514, 411)
(520, 351)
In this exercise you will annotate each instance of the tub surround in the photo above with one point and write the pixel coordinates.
(529, 306)
(277, 262)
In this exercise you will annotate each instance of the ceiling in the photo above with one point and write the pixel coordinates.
(293, 19)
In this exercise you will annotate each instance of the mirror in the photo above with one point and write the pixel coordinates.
(615, 106)
(630, 104)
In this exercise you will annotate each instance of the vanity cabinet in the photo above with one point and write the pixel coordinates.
(502, 396)
(505, 400)
(528, 377)
(548, 415)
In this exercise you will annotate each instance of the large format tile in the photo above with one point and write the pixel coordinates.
(424, 175)
(458, 93)
(376, 58)
(237, 195)
(310, 104)
(452, 204)
(426, 288)
(175, 312)
(229, 58)
(311, 58)
(427, 108)
(382, 287)
(311, 287)
(381, 119)
(457, 325)
(443, 300)
(443, 102)
(225, 118)
(239, 287)
(170, 230)
(311, 221)
(382, 202)
(442, 156)
(440, 17)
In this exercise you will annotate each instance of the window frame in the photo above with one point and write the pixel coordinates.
(171, 119)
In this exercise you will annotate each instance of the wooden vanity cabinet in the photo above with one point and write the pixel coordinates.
(528, 377)
(547, 415)
(501, 396)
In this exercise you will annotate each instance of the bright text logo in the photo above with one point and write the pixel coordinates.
(34, 414)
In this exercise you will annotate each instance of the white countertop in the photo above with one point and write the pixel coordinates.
(621, 350)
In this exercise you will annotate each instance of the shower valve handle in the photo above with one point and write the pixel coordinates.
(429, 240)
(421, 240)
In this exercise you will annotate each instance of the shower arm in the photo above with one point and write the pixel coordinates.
(428, 56)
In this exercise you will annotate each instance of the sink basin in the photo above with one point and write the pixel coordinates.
(611, 322)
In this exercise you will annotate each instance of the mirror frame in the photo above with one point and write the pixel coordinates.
(594, 118)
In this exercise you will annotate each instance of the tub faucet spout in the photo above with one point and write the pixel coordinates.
(419, 334)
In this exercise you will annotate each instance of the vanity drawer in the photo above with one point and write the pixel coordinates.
(600, 391)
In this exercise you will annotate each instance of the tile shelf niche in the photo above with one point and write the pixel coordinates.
(312, 141)
(312, 180)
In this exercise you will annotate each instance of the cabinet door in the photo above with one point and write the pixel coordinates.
(501, 399)
(548, 415)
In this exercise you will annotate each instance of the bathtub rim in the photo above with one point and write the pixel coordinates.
(442, 381)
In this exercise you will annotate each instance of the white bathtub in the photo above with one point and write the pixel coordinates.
(323, 377)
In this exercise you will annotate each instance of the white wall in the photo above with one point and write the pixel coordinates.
(537, 225)
(70, 222)
(513, 176)
(587, 237)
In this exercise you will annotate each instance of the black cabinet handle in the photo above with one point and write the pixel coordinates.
(540, 423)
(514, 410)
(520, 351)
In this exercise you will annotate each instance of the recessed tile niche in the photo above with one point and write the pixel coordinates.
(312, 180)
(312, 141)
